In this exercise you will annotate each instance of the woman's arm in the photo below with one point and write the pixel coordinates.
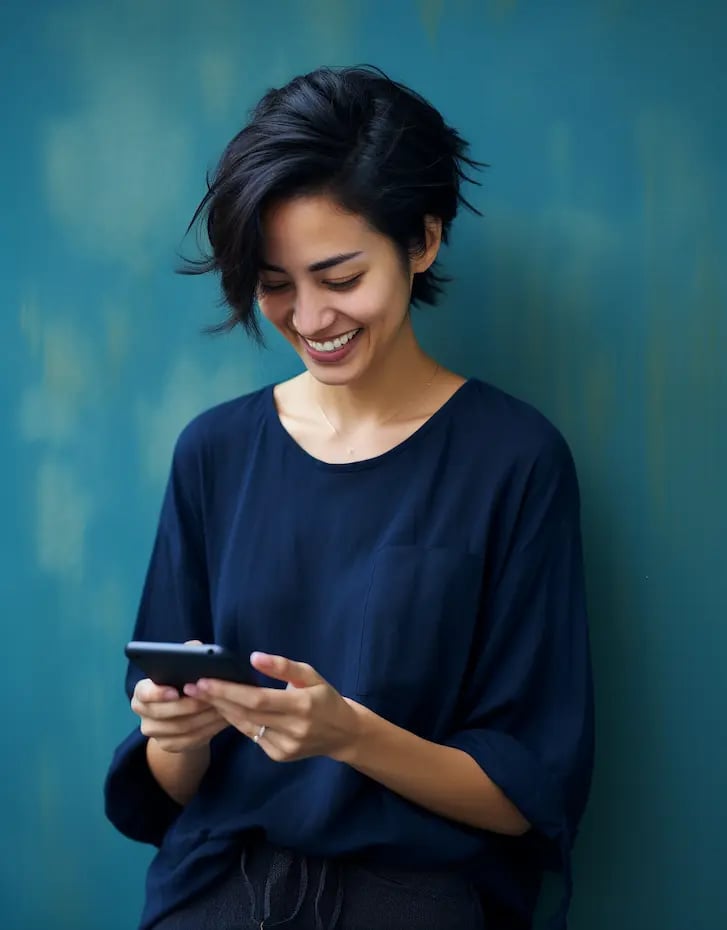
(178, 773)
(311, 718)
(446, 781)
(178, 732)
(145, 784)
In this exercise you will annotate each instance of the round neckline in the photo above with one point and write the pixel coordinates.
(439, 413)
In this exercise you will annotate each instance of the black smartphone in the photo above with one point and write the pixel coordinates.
(175, 665)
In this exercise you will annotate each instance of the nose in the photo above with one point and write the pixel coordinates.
(312, 316)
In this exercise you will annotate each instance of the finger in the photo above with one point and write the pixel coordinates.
(250, 697)
(179, 727)
(166, 710)
(194, 642)
(276, 745)
(176, 728)
(289, 728)
(147, 691)
(297, 674)
(250, 724)
(195, 741)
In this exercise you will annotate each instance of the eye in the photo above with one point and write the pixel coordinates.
(271, 288)
(346, 285)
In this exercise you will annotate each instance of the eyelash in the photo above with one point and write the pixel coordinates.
(332, 285)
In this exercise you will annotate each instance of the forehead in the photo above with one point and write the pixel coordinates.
(303, 230)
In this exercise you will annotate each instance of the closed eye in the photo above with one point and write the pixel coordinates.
(344, 285)
(271, 288)
(277, 287)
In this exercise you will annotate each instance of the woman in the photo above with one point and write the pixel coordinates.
(397, 546)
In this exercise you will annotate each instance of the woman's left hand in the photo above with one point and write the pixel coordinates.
(307, 718)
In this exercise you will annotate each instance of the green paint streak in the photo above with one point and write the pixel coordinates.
(560, 144)
(709, 302)
(335, 25)
(502, 8)
(685, 307)
(30, 323)
(599, 404)
(430, 15)
(535, 320)
(63, 369)
(118, 339)
(656, 422)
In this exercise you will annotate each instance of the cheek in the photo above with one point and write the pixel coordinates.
(274, 309)
(387, 301)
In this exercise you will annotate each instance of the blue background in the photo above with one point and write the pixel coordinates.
(594, 287)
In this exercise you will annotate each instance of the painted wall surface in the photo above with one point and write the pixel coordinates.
(594, 287)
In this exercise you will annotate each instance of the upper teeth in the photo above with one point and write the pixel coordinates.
(333, 344)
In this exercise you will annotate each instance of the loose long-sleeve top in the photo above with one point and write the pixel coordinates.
(440, 584)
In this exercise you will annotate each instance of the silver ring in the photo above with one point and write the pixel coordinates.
(259, 735)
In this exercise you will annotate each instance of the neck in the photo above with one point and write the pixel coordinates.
(395, 380)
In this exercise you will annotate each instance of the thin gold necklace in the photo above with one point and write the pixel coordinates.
(350, 450)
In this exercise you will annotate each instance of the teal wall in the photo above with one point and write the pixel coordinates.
(594, 287)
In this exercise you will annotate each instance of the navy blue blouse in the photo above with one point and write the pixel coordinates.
(440, 584)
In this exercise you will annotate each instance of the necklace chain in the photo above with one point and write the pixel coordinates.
(350, 449)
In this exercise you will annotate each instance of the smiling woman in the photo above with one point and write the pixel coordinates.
(376, 148)
(397, 548)
(347, 315)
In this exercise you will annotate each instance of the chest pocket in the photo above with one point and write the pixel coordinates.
(418, 620)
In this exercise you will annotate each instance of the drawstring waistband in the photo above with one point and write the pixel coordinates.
(338, 902)
(277, 873)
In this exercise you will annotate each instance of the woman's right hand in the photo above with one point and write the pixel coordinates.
(175, 722)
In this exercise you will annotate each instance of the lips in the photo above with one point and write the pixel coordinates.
(337, 342)
(332, 350)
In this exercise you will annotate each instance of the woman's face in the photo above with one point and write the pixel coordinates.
(336, 289)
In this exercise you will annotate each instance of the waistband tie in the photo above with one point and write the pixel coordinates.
(277, 874)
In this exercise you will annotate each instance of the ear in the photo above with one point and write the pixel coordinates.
(433, 240)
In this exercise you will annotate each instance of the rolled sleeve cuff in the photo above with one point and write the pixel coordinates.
(520, 776)
(525, 782)
(134, 801)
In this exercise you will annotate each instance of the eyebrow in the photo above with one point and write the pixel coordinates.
(316, 266)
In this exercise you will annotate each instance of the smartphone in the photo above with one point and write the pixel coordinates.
(175, 665)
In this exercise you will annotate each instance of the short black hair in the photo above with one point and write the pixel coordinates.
(376, 147)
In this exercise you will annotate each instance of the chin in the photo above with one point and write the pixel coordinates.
(335, 376)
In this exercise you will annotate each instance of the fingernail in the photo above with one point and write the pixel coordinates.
(190, 690)
(171, 695)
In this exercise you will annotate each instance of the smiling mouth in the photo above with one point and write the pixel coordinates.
(332, 345)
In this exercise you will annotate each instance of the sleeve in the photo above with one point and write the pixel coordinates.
(526, 715)
(174, 607)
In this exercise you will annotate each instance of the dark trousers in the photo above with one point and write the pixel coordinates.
(276, 888)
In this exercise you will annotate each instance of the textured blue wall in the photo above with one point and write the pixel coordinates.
(595, 287)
